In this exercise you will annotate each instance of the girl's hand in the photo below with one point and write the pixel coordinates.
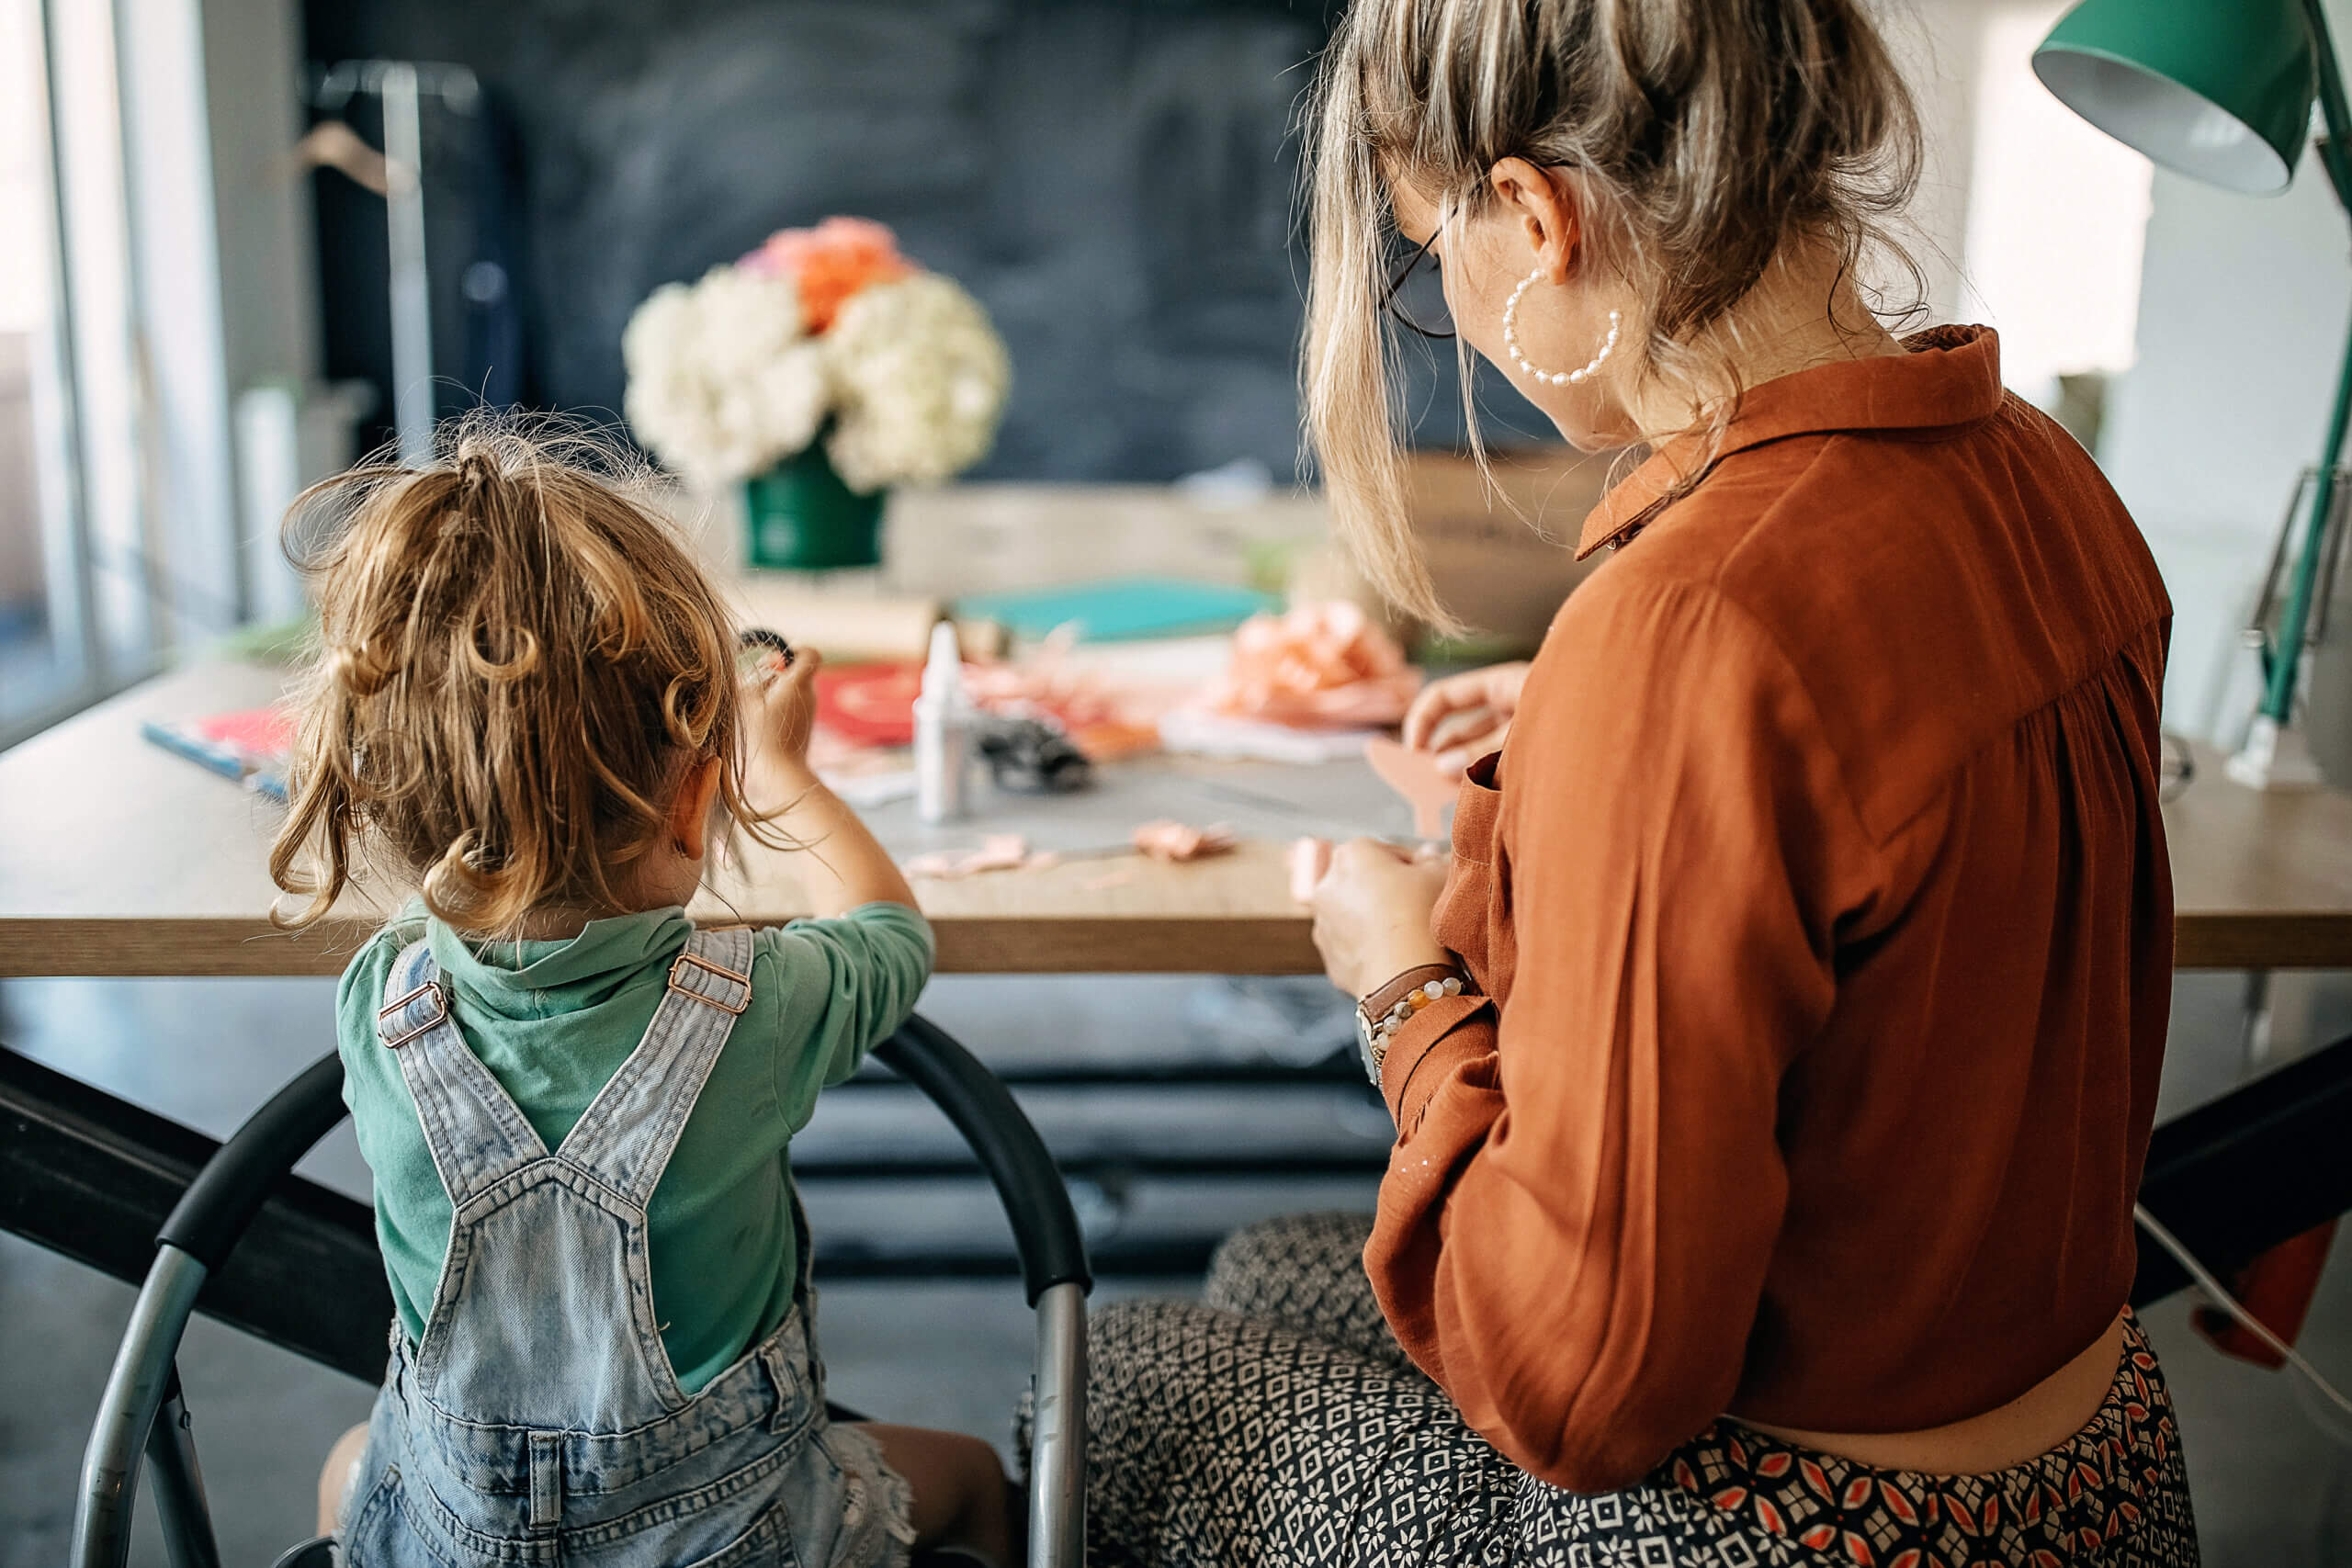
(1465, 716)
(779, 709)
(1372, 914)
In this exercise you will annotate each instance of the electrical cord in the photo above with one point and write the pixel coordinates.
(2230, 1304)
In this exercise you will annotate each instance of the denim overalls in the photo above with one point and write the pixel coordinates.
(538, 1420)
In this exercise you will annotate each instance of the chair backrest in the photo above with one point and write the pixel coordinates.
(1036, 1203)
(226, 1194)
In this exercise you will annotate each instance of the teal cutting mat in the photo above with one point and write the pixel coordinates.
(1120, 608)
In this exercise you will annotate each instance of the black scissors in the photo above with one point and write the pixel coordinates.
(760, 636)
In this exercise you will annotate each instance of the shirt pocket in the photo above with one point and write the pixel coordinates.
(1463, 918)
(1477, 808)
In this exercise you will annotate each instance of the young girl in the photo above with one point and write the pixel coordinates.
(576, 1105)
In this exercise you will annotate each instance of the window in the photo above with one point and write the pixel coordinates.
(75, 605)
(2057, 220)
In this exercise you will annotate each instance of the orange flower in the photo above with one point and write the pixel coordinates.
(832, 261)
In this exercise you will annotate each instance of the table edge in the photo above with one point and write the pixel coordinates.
(134, 945)
(138, 945)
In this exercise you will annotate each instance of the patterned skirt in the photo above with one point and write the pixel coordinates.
(1277, 1422)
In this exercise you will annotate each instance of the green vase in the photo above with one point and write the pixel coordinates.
(803, 518)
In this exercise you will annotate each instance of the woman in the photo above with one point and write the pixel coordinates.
(1774, 1062)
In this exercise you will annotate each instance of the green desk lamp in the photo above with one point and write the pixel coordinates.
(2222, 91)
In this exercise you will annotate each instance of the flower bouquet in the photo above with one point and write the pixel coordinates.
(815, 372)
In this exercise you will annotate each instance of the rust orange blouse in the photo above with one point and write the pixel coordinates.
(1820, 899)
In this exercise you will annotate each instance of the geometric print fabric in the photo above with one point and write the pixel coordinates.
(1277, 1422)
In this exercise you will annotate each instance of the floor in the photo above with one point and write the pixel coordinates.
(2272, 1467)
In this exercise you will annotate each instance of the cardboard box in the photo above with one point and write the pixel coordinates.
(1500, 550)
(1501, 546)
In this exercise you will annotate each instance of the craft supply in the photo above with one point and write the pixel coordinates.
(1196, 732)
(251, 746)
(1117, 608)
(1309, 859)
(998, 851)
(1029, 756)
(1321, 666)
(1174, 843)
(1414, 775)
(763, 641)
(1108, 707)
(1104, 716)
(869, 704)
(943, 719)
(845, 627)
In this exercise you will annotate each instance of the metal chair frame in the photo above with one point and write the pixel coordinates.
(142, 1413)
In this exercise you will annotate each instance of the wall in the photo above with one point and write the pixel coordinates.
(1938, 44)
(193, 560)
(2057, 217)
(24, 311)
(269, 273)
(21, 588)
(2243, 312)
(1114, 182)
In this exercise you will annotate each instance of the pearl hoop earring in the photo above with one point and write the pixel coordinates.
(1556, 377)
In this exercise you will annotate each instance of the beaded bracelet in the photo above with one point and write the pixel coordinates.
(1412, 1002)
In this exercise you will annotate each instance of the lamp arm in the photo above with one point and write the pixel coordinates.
(2336, 147)
(2335, 154)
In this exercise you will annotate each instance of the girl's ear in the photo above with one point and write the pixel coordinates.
(691, 808)
(1545, 203)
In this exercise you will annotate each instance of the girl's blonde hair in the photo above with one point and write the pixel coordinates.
(1704, 134)
(518, 665)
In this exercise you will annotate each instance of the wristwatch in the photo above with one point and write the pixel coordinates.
(1379, 1015)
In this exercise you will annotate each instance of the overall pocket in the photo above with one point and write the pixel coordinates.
(767, 1544)
(377, 1534)
(848, 1508)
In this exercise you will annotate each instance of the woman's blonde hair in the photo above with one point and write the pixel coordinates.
(1704, 135)
(518, 665)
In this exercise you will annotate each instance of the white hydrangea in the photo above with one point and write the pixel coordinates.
(723, 384)
(918, 380)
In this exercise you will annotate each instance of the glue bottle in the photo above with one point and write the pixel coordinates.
(942, 730)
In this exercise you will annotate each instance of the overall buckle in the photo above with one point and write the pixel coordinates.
(677, 982)
(433, 988)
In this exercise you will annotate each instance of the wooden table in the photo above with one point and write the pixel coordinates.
(118, 858)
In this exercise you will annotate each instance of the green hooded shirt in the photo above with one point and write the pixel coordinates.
(552, 1021)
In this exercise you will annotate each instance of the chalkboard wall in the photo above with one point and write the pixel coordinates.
(1116, 181)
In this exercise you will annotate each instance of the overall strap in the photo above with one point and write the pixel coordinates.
(626, 1136)
(471, 1125)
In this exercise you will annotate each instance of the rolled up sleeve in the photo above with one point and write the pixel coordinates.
(843, 984)
(1576, 1219)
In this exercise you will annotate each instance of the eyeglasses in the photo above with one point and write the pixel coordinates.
(1414, 293)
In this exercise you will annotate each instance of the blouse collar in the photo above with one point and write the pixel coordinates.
(1952, 377)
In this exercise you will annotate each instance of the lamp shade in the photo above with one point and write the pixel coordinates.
(2218, 90)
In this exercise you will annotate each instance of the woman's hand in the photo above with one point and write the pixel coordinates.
(1372, 914)
(779, 711)
(1465, 716)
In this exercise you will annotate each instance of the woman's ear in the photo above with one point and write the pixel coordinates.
(690, 809)
(1545, 203)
